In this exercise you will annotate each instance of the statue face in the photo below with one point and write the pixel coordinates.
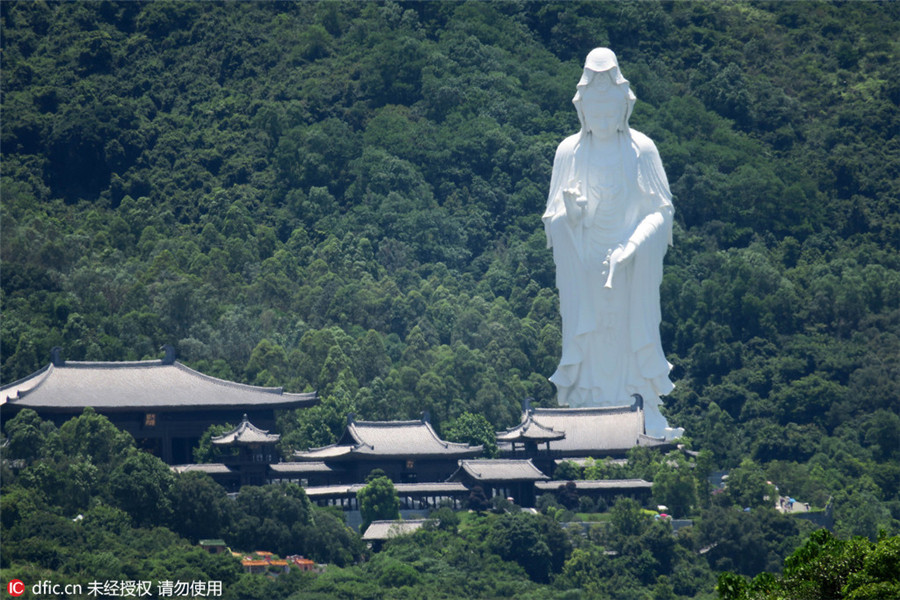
(603, 105)
(604, 119)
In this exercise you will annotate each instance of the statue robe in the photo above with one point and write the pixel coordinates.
(648, 225)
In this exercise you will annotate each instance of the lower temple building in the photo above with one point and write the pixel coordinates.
(167, 407)
(509, 478)
(547, 436)
(407, 451)
(427, 471)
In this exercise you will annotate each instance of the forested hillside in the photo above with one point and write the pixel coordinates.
(346, 197)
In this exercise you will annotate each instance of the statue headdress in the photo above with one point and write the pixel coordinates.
(601, 60)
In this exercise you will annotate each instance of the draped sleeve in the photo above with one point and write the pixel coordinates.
(653, 182)
(562, 172)
(652, 235)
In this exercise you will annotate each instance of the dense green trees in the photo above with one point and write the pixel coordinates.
(636, 557)
(472, 429)
(141, 485)
(746, 541)
(86, 489)
(537, 544)
(301, 193)
(747, 486)
(346, 197)
(826, 567)
(378, 499)
(676, 489)
(200, 508)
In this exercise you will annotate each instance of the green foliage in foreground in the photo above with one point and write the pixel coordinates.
(826, 567)
(140, 521)
(518, 555)
(104, 478)
(494, 554)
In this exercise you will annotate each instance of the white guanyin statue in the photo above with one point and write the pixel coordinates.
(609, 222)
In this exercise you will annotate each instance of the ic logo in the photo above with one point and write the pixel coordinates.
(15, 587)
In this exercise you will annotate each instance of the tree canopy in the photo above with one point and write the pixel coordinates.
(346, 197)
(378, 500)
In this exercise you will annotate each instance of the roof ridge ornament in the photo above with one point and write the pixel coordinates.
(245, 433)
(638, 402)
(56, 357)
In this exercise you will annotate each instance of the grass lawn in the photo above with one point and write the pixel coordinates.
(604, 517)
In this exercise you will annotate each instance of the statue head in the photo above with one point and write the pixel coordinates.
(604, 99)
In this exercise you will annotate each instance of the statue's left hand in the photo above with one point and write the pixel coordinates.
(623, 253)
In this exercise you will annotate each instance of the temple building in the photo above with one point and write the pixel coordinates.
(412, 496)
(222, 474)
(165, 405)
(509, 478)
(309, 473)
(427, 471)
(248, 456)
(531, 436)
(607, 489)
(379, 532)
(407, 451)
(546, 435)
(253, 452)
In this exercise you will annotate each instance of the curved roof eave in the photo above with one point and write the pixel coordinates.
(147, 386)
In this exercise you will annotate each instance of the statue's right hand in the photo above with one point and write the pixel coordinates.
(573, 194)
(575, 201)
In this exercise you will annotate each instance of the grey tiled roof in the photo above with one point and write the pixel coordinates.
(390, 438)
(211, 468)
(597, 484)
(584, 461)
(328, 491)
(403, 489)
(324, 453)
(530, 430)
(384, 530)
(142, 385)
(437, 488)
(650, 441)
(246, 433)
(287, 468)
(499, 469)
(593, 430)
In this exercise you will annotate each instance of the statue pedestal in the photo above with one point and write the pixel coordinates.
(673, 433)
(655, 423)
